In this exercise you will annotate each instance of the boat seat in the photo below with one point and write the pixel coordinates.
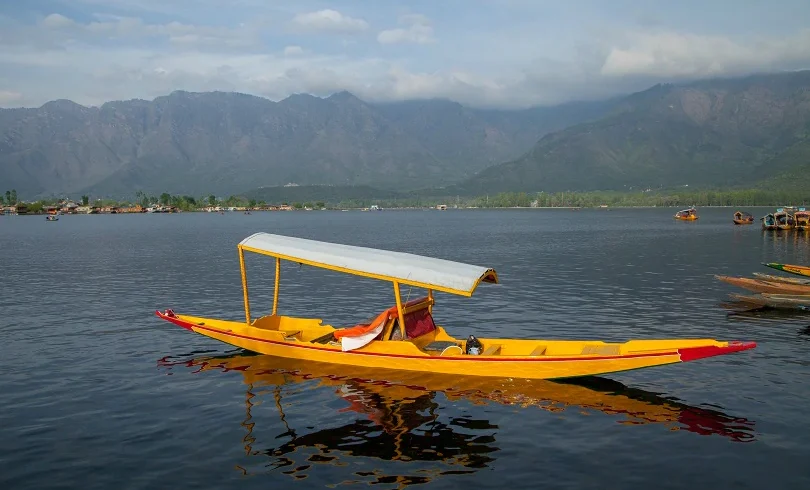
(540, 350)
(601, 350)
(290, 335)
(492, 350)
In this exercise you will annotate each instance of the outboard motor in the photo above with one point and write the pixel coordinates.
(473, 346)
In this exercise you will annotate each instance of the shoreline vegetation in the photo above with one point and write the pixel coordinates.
(541, 200)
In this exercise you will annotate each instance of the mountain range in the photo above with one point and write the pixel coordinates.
(721, 132)
(216, 142)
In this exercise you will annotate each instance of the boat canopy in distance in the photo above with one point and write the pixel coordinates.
(404, 268)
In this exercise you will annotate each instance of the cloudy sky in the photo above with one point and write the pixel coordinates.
(497, 53)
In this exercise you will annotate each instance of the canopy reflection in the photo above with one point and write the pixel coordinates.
(400, 412)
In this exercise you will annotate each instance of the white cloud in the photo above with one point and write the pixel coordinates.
(56, 21)
(329, 20)
(509, 56)
(419, 31)
(293, 51)
(676, 55)
(59, 30)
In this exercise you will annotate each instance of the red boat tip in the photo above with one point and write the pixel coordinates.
(694, 353)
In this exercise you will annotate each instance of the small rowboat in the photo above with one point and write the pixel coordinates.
(788, 280)
(743, 218)
(689, 214)
(782, 301)
(762, 286)
(789, 268)
(405, 336)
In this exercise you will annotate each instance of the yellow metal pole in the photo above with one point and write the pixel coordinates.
(244, 284)
(275, 289)
(430, 298)
(400, 312)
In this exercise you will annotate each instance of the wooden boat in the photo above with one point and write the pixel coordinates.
(762, 286)
(784, 220)
(689, 214)
(802, 218)
(789, 268)
(421, 345)
(773, 278)
(380, 393)
(782, 301)
(743, 218)
(768, 222)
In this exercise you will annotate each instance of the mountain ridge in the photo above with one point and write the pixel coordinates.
(227, 142)
(720, 132)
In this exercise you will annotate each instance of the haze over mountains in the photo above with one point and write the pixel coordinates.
(711, 133)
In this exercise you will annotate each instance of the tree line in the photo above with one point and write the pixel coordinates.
(744, 197)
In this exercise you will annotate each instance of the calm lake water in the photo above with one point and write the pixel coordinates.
(96, 392)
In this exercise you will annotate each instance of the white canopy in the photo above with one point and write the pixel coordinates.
(405, 268)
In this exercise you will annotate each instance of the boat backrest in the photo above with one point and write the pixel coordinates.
(418, 320)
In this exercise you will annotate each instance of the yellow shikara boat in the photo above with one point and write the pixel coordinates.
(421, 345)
(689, 214)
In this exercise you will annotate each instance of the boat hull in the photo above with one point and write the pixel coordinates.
(525, 359)
(761, 286)
(787, 302)
(788, 280)
(789, 268)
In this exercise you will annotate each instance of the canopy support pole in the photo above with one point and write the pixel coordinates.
(275, 289)
(244, 284)
(430, 298)
(400, 311)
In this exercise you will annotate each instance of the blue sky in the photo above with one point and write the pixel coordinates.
(486, 53)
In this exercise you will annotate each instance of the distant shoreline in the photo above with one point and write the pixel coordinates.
(395, 208)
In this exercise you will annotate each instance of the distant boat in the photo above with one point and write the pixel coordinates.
(802, 218)
(800, 270)
(784, 220)
(743, 218)
(768, 222)
(788, 280)
(689, 214)
(784, 301)
(51, 217)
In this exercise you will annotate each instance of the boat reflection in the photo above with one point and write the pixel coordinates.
(401, 412)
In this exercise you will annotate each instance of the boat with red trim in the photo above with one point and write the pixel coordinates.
(405, 335)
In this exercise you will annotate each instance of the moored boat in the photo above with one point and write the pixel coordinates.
(789, 268)
(762, 286)
(768, 222)
(782, 301)
(405, 337)
(773, 278)
(743, 218)
(784, 220)
(802, 218)
(689, 214)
